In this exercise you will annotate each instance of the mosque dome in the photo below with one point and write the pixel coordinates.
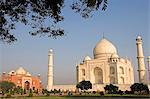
(139, 37)
(104, 47)
(87, 58)
(12, 72)
(148, 58)
(21, 71)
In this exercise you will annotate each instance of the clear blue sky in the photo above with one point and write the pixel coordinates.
(121, 22)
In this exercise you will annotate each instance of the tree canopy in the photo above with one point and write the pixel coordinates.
(111, 88)
(35, 13)
(84, 85)
(6, 86)
(140, 88)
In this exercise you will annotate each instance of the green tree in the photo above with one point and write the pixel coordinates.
(30, 93)
(84, 85)
(140, 88)
(111, 89)
(5, 86)
(34, 14)
(24, 91)
(17, 89)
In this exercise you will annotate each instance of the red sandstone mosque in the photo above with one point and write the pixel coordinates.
(23, 79)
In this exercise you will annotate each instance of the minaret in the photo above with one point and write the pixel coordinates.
(50, 70)
(148, 62)
(140, 58)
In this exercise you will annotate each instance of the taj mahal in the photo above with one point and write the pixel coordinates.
(107, 67)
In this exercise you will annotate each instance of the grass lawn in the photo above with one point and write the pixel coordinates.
(87, 97)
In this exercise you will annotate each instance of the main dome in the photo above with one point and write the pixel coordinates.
(103, 48)
(21, 71)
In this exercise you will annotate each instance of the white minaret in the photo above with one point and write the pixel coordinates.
(148, 61)
(140, 58)
(50, 70)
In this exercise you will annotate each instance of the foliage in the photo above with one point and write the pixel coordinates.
(8, 95)
(85, 7)
(84, 85)
(94, 92)
(111, 89)
(35, 14)
(24, 91)
(5, 86)
(101, 93)
(120, 92)
(17, 89)
(140, 88)
(30, 95)
(44, 91)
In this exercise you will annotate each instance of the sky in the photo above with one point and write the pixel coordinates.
(121, 23)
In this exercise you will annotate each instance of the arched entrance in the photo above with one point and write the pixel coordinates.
(98, 74)
(122, 80)
(27, 85)
(112, 80)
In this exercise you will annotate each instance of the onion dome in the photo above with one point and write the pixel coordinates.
(104, 47)
(21, 71)
(87, 58)
(12, 72)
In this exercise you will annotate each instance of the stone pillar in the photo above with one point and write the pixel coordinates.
(148, 61)
(140, 59)
(50, 70)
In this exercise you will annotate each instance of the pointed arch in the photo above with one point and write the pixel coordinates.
(83, 72)
(112, 80)
(122, 80)
(112, 70)
(98, 74)
(121, 70)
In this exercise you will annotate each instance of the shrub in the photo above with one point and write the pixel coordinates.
(120, 92)
(47, 94)
(84, 85)
(24, 91)
(94, 92)
(129, 92)
(101, 93)
(8, 96)
(111, 89)
(140, 88)
(30, 95)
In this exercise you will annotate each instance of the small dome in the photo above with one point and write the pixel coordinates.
(87, 58)
(139, 37)
(12, 72)
(104, 47)
(114, 56)
(28, 74)
(51, 50)
(21, 71)
(148, 57)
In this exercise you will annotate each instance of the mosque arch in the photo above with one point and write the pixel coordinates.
(121, 70)
(122, 80)
(27, 85)
(112, 70)
(112, 80)
(98, 74)
(83, 72)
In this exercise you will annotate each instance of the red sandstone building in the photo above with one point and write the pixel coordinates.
(23, 79)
